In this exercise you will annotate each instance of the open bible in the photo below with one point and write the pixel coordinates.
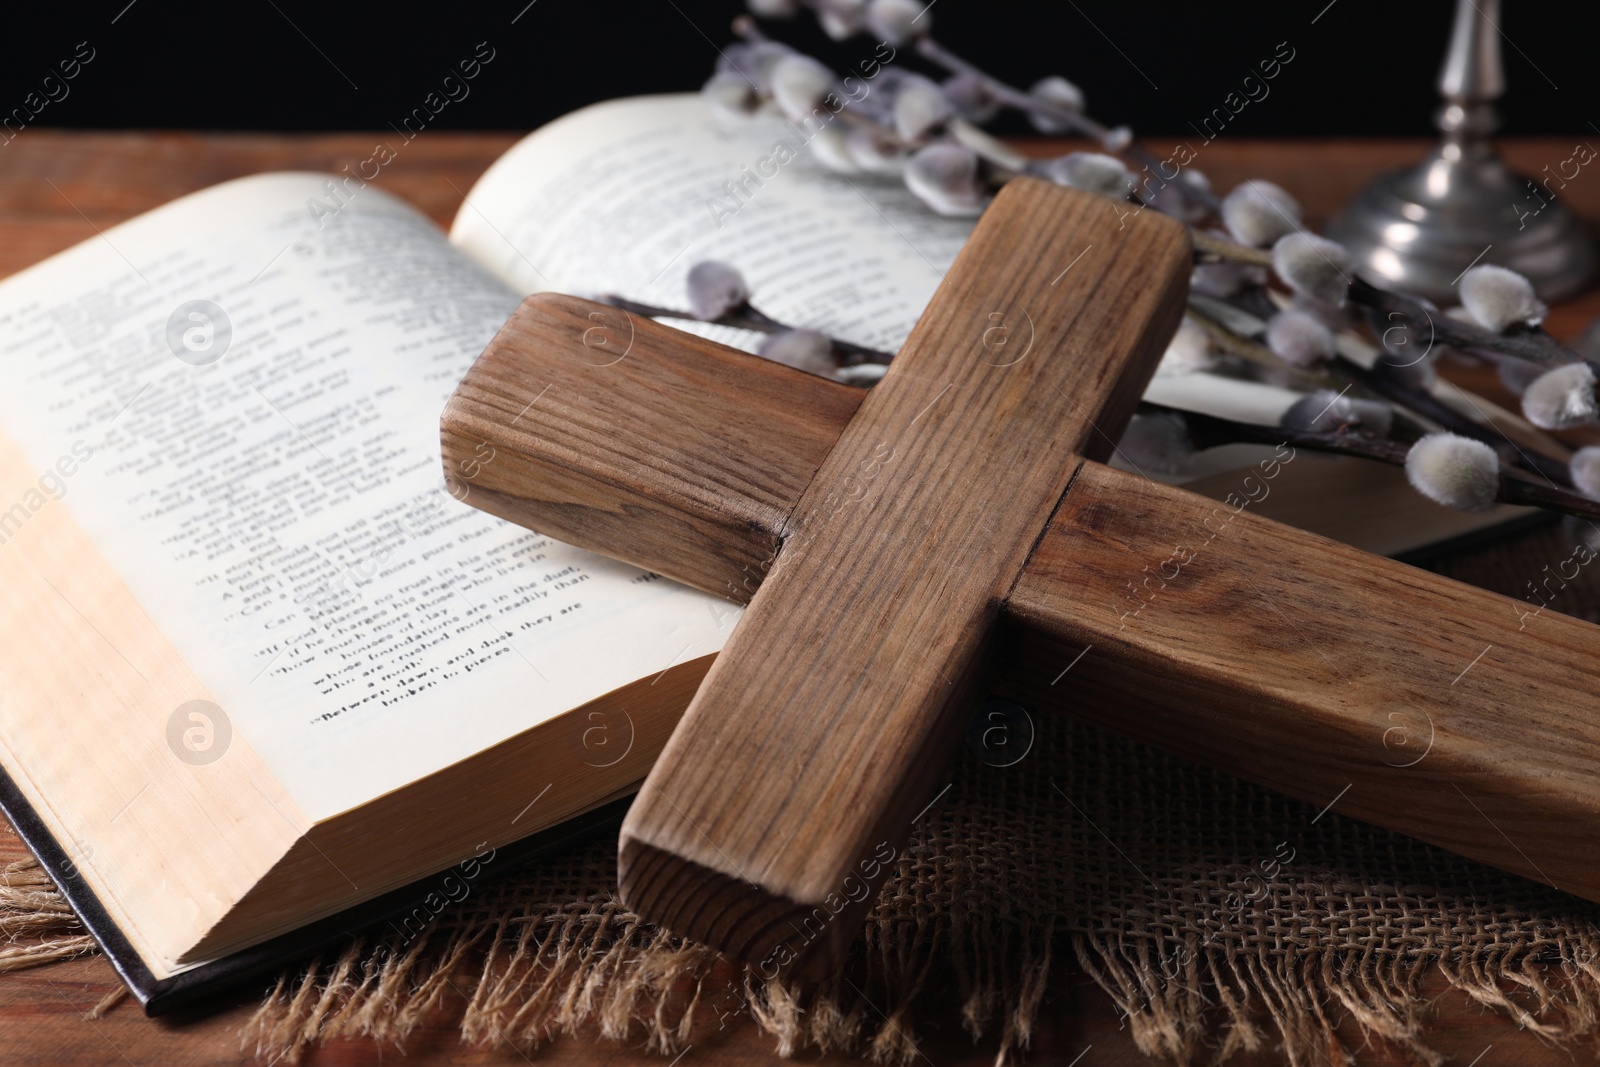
(264, 663)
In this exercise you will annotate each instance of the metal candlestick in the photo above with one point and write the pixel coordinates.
(1418, 230)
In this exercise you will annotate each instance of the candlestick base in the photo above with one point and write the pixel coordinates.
(1418, 230)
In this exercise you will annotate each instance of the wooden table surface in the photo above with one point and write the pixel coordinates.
(58, 188)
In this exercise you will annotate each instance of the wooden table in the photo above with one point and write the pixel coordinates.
(60, 188)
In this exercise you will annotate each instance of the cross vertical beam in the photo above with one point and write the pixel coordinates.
(819, 732)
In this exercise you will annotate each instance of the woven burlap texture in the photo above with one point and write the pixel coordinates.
(1218, 916)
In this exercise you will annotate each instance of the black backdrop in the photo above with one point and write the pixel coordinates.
(1359, 66)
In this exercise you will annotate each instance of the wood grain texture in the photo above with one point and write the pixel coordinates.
(1449, 713)
(799, 766)
(603, 428)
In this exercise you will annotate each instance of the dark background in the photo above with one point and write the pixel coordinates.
(1363, 67)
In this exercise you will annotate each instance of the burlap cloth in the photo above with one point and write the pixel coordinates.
(1218, 916)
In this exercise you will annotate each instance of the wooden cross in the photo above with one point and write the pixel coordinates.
(951, 533)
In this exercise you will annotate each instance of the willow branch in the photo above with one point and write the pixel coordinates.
(1385, 306)
(1208, 431)
(1387, 384)
(1254, 351)
(746, 317)
(1531, 344)
(1076, 121)
(1209, 248)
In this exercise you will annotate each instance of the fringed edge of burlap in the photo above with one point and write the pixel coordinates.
(1187, 1002)
(1184, 1002)
(525, 981)
(36, 923)
(521, 981)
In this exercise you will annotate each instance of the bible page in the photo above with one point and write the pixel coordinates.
(625, 196)
(247, 383)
